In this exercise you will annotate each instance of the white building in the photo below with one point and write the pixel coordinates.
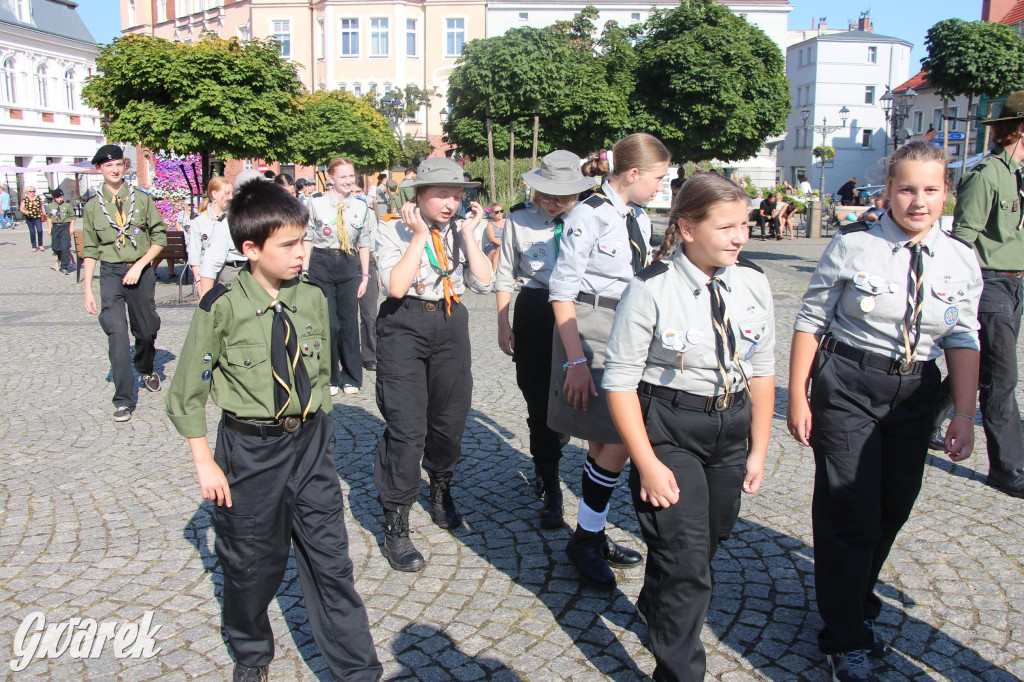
(827, 72)
(925, 119)
(46, 55)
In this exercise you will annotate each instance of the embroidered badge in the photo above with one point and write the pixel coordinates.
(750, 353)
(207, 374)
(136, 230)
(207, 357)
(305, 348)
(951, 315)
(458, 270)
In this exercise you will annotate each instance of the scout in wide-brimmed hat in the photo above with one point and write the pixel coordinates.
(559, 174)
(1013, 108)
(438, 171)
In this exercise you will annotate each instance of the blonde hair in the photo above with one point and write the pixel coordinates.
(535, 198)
(639, 150)
(215, 185)
(694, 201)
(339, 161)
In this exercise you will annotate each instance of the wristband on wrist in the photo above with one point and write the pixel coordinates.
(570, 365)
(365, 275)
(965, 416)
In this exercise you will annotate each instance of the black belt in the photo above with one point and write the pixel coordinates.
(332, 252)
(413, 303)
(236, 263)
(873, 360)
(712, 403)
(264, 429)
(597, 301)
(1009, 273)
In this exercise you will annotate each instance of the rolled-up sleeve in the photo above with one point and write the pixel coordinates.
(578, 239)
(475, 284)
(965, 332)
(369, 224)
(216, 253)
(974, 204)
(389, 252)
(819, 303)
(629, 343)
(508, 260)
(190, 385)
(762, 364)
(90, 240)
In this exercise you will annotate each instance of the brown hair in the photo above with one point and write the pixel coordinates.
(340, 161)
(918, 150)
(1007, 133)
(694, 201)
(215, 185)
(596, 165)
(639, 150)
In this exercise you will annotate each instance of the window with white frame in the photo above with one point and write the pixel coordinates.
(972, 113)
(635, 16)
(357, 90)
(937, 119)
(954, 125)
(379, 37)
(24, 11)
(243, 32)
(42, 96)
(865, 138)
(131, 12)
(349, 38)
(455, 37)
(410, 37)
(869, 94)
(320, 38)
(342, 87)
(9, 84)
(872, 54)
(161, 11)
(216, 3)
(800, 57)
(524, 16)
(70, 98)
(918, 122)
(281, 31)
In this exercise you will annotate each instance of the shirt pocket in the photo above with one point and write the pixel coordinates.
(610, 247)
(874, 296)
(752, 332)
(247, 364)
(944, 306)
(311, 345)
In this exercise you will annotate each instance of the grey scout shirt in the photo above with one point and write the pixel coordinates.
(393, 237)
(663, 333)
(527, 249)
(858, 292)
(199, 231)
(220, 249)
(594, 256)
(323, 222)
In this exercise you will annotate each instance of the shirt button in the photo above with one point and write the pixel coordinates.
(248, 362)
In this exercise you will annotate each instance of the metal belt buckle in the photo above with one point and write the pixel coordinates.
(721, 402)
(900, 367)
(431, 306)
(291, 424)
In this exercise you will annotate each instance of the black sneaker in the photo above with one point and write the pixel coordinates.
(851, 666)
(151, 381)
(244, 673)
(1009, 482)
(878, 647)
(122, 414)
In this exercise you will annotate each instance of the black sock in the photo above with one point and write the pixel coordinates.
(598, 485)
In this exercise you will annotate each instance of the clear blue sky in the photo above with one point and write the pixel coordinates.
(896, 18)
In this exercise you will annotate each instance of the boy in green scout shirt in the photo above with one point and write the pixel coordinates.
(61, 217)
(122, 229)
(258, 345)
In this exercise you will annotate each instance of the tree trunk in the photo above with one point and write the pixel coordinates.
(945, 127)
(490, 156)
(204, 170)
(511, 157)
(988, 129)
(967, 135)
(536, 133)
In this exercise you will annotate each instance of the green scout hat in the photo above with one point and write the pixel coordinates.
(1013, 108)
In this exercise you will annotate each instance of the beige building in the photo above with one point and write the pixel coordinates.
(337, 44)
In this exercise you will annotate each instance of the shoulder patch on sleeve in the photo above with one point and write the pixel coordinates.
(656, 268)
(212, 295)
(745, 262)
(144, 190)
(518, 207)
(595, 199)
(859, 226)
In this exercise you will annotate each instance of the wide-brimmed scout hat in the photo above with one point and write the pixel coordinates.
(1013, 108)
(438, 171)
(559, 174)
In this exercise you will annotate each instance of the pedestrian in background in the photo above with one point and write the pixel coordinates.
(61, 218)
(6, 222)
(212, 210)
(32, 208)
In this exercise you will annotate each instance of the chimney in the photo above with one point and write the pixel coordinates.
(822, 25)
(994, 10)
(864, 23)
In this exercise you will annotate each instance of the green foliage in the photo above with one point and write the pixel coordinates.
(336, 123)
(478, 168)
(413, 151)
(973, 58)
(949, 207)
(713, 86)
(215, 95)
(824, 153)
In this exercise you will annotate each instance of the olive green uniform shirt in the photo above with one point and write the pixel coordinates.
(59, 213)
(227, 354)
(988, 212)
(100, 237)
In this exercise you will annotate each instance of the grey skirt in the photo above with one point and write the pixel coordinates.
(594, 423)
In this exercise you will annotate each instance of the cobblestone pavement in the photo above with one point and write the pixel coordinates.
(104, 520)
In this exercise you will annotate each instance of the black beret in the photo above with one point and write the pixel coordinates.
(57, 192)
(108, 152)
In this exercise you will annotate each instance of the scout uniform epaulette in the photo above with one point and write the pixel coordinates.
(595, 198)
(958, 239)
(747, 263)
(213, 294)
(390, 216)
(521, 205)
(144, 190)
(318, 194)
(658, 267)
(859, 226)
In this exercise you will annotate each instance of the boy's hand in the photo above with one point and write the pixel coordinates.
(411, 216)
(658, 485)
(90, 301)
(213, 483)
(131, 277)
(476, 212)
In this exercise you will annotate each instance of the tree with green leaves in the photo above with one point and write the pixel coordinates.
(973, 58)
(399, 105)
(236, 99)
(413, 152)
(336, 123)
(714, 86)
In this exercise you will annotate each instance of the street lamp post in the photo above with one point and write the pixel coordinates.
(825, 129)
(897, 109)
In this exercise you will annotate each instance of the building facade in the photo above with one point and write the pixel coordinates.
(46, 55)
(827, 72)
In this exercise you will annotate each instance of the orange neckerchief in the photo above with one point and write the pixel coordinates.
(442, 261)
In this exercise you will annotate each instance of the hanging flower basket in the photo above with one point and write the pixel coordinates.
(824, 154)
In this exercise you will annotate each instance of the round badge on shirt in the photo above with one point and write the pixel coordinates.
(327, 231)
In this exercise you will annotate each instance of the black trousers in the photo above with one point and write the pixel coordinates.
(142, 319)
(368, 306)
(424, 391)
(60, 242)
(285, 491)
(870, 439)
(999, 313)
(533, 322)
(338, 277)
(707, 453)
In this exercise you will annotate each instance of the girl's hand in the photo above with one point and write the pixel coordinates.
(411, 217)
(658, 485)
(476, 212)
(579, 386)
(506, 340)
(959, 438)
(798, 418)
(755, 474)
(362, 286)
